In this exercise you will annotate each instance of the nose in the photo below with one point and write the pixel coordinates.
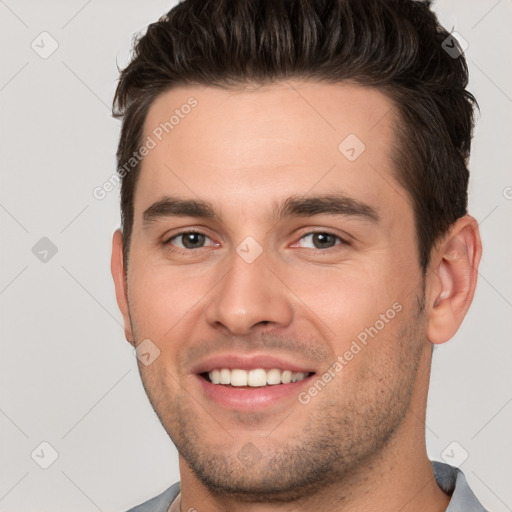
(248, 297)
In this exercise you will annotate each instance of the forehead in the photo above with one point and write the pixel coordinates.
(269, 142)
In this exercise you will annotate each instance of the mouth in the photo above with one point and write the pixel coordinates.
(252, 382)
(254, 378)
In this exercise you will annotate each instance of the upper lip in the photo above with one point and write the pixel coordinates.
(249, 362)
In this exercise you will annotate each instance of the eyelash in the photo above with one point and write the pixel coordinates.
(182, 233)
(309, 233)
(341, 240)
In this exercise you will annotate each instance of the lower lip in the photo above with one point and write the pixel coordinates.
(249, 398)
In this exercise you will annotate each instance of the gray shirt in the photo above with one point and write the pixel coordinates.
(451, 480)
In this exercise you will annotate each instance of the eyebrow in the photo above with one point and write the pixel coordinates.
(330, 204)
(295, 206)
(176, 207)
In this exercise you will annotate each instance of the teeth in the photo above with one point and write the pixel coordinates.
(238, 378)
(286, 377)
(274, 376)
(257, 378)
(254, 378)
(225, 376)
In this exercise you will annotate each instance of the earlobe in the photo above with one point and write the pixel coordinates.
(452, 279)
(118, 274)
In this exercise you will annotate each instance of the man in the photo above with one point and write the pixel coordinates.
(295, 241)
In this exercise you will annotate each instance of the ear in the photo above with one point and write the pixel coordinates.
(118, 273)
(452, 279)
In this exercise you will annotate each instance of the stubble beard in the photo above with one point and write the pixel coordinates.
(345, 431)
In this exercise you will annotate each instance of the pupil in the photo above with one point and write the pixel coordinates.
(193, 240)
(323, 240)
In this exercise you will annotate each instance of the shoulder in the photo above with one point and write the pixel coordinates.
(160, 503)
(453, 482)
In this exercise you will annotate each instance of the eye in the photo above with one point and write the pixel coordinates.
(320, 240)
(190, 240)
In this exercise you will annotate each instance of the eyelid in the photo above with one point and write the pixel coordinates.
(183, 229)
(344, 240)
(168, 239)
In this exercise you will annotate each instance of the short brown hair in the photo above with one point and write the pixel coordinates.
(395, 46)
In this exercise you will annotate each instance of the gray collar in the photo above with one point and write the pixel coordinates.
(453, 482)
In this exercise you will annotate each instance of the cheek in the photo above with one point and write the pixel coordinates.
(161, 297)
(347, 299)
(380, 360)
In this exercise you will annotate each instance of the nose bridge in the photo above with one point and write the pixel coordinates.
(249, 294)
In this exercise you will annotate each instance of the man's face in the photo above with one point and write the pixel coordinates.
(278, 250)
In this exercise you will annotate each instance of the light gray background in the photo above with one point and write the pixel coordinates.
(68, 377)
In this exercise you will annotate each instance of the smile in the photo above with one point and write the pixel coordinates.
(257, 377)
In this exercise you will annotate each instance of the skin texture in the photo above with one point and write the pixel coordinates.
(359, 444)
